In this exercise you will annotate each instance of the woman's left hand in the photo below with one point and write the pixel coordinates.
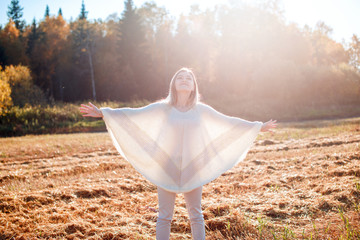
(266, 127)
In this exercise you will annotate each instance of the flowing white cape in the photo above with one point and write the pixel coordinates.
(179, 151)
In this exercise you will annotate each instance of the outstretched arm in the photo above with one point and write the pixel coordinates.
(90, 111)
(266, 127)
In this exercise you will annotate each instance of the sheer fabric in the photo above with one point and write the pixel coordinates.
(179, 151)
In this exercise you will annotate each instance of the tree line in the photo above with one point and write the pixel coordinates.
(242, 55)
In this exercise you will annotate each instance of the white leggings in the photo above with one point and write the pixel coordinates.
(166, 210)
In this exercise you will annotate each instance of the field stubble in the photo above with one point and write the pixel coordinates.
(303, 182)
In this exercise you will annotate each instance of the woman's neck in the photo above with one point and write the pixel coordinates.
(182, 99)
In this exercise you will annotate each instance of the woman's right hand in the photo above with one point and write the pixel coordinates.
(90, 111)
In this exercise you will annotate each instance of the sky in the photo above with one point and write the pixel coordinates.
(341, 15)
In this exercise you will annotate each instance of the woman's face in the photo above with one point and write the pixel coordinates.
(184, 82)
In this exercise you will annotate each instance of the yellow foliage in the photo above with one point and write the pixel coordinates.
(18, 75)
(21, 87)
(5, 92)
(11, 31)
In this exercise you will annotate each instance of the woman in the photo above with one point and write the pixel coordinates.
(179, 144)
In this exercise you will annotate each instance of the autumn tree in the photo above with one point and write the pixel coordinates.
(48, 54)
(5, 93)
(12, 46)
(354, 52)
(23, 90)
(325, 50)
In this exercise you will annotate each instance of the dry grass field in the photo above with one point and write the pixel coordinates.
(303, 182)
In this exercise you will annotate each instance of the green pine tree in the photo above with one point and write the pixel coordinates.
(32, 37)
(83, 13)
(47, 11)
(15, 13)
(132, 51)
(131, 27)
(84, 48)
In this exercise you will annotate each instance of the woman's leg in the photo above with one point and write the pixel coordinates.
(193, 205)
(166, 210)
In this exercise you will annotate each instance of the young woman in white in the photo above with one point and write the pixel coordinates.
(179, 144)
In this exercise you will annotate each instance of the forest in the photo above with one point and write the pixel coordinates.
(246, 59)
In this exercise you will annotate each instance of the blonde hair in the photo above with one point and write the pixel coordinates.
(194, 95)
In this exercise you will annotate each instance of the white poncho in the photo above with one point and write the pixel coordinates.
(179, 151)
